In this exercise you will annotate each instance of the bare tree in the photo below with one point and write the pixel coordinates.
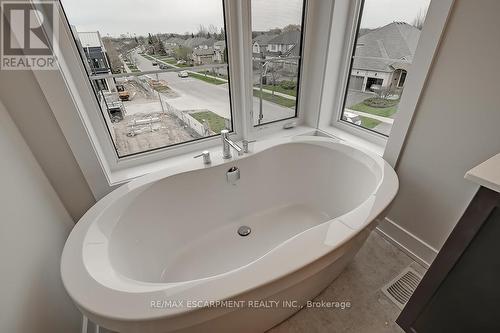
(291, 27)
(113, 57)
(271, 68)
(212, 30)
(418, 21)
(202, 31)
(275, 31)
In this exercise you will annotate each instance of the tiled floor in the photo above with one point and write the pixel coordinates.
(376, 264)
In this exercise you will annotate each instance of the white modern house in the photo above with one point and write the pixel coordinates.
(97, 62)
(383, 56)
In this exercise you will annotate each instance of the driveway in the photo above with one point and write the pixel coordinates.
(355, 97)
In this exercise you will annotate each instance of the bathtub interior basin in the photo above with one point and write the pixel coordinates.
(184, 227)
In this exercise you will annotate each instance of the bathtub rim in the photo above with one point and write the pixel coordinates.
(96, 297)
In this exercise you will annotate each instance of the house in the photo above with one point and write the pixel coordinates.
(220, 49)
(283, 43)
(383, 56)
(259, 44)
(198, 42)
(203, 55)
(92, 47)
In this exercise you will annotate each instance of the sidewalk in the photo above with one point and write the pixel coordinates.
(385, 120)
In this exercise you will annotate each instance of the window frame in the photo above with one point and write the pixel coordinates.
(303, 30)
(97, 120)
(346, 17)
(86, 130)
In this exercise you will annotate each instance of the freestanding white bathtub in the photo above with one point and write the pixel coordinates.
(162, 253)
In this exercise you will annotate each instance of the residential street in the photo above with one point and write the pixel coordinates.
(195, 94)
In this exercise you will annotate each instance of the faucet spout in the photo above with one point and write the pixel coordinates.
(227, 143)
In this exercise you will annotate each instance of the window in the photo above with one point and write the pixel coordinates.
(277, 27)
(386, 39)
(160, 77)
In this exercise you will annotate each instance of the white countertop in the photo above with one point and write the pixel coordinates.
(486, 174)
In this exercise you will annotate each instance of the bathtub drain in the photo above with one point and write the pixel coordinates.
(244, 231)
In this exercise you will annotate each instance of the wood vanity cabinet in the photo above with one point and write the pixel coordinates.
(461, 290)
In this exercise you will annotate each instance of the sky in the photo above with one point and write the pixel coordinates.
(377, 13)
(180, 16)
(171, 16)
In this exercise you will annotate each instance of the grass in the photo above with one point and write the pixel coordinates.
(286, 102)
(165, 58)
(378, 102)
(383, 112)
(147, 56)
(278, 88)
(215, 122)
(131, 66)
(369, 122)
(208, 79)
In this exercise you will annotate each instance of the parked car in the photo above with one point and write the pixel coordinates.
(154, 63)
(163, 66)
(352, 118)
(183, 74)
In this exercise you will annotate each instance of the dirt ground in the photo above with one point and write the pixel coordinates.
(168, 131)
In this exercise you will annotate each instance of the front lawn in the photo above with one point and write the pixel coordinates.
(383, 112)
(369, 122)
(208, 79)
(286, 102)
(215, 122)
(278, 88)
(131, 66)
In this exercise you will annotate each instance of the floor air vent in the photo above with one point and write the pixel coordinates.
(402, 287)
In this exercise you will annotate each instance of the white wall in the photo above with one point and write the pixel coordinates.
(33, 228)
(28, 107)
(456, 126)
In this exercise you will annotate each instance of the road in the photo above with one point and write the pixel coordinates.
(194, 94)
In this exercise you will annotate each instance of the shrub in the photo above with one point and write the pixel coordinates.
(289, 85)
(378, 102)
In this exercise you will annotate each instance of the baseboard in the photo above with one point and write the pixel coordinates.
(413, 246)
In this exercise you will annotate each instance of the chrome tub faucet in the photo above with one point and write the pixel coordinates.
(227, 143)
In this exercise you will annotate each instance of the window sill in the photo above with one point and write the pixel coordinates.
(122, 176)
(355, 140)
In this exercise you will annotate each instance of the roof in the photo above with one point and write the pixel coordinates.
(387, 48)
(221, 44)
(197, 41)
(203, 52)
(264, 38)
(287, 38)
(90, 39)
(191, 42)
(294, 51)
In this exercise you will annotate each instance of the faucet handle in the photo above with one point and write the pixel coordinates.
(206, 157)
(245, 144)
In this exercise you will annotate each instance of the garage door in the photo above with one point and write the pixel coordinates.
(355, 82)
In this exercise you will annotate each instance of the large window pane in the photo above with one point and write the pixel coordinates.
(385, 45)
(276, 51)
(181, 44)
